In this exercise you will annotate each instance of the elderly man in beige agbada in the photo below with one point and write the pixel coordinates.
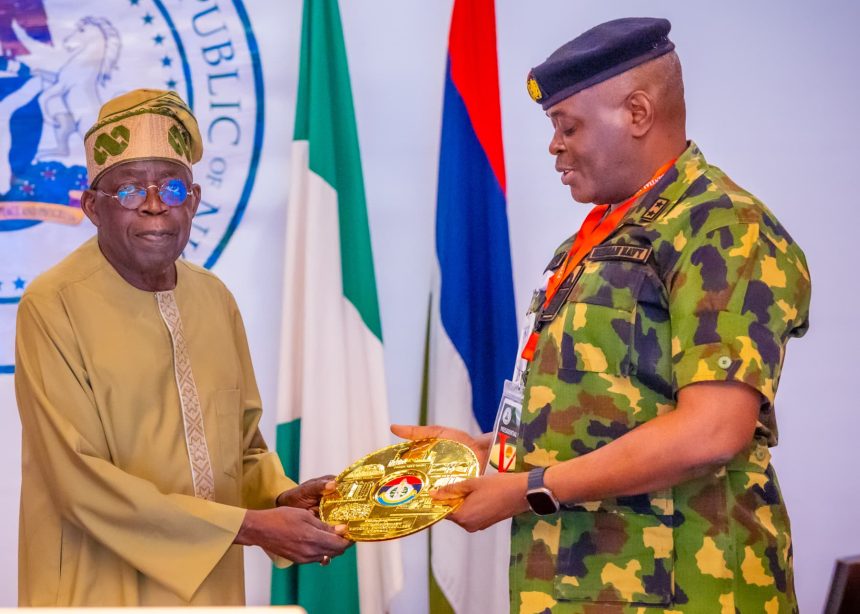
(144, 471)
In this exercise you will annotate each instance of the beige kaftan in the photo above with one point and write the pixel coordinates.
(108, 512)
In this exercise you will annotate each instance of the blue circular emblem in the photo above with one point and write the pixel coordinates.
(399, 490)
(57, 70)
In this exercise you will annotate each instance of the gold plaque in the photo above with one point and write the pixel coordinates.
(386, 494)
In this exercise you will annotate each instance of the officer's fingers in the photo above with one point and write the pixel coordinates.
(432, 431)
(409, 431)
(467, 520)
(457, 518)
(457, 490)
(401, 430)
(457, 435)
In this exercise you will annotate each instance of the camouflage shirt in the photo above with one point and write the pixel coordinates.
(700, 282)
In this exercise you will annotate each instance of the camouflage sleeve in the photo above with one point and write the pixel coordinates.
(736, 295)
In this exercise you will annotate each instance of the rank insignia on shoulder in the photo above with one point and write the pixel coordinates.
(631, 253)
(556, 261)
(655, 210)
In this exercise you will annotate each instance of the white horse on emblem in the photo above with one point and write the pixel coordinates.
(71, 87)
(71, 102)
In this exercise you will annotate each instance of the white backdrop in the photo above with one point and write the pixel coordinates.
(772, 93)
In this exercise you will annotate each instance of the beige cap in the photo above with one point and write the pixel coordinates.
(142, 124)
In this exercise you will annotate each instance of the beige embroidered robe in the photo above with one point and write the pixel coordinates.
(108, 512)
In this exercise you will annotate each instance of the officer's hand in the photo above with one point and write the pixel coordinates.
(307, 495)
(292, 533)
(479, 445)
(487, 500)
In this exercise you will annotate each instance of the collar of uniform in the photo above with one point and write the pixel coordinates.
(689, 166)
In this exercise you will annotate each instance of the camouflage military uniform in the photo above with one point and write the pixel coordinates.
(713, 293)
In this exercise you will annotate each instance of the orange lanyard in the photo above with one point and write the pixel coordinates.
(595, 229)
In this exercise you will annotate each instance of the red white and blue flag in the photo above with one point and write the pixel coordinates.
(473, 339)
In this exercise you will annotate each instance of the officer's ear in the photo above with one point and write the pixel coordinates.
(640, 107)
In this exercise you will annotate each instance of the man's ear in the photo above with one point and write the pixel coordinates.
(195, 198)
(641, 108)
(88, 204)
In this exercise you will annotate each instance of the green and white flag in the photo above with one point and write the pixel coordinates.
(332, 405)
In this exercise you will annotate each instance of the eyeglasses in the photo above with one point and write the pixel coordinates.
(172, 192)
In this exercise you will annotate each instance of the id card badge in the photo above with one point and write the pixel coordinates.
(503, 449)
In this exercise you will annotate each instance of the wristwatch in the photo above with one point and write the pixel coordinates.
(539, 497)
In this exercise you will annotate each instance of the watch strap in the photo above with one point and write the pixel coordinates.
(536, 478)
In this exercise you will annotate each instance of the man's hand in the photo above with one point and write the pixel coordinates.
(307, 495)
(488, 499)
(292, 533)
(479, 445)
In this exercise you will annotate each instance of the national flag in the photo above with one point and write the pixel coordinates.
(473, 338)
(332, 403)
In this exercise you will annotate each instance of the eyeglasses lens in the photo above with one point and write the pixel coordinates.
(173, 192)
(131, 196)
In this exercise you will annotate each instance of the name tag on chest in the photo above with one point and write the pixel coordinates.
(630, 253)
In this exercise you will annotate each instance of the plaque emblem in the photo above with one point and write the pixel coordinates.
(386, 494)
(399, 490)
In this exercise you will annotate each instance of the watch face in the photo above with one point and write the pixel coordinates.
(542, 502)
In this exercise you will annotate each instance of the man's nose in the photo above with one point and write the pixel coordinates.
(153, 204)
(556, 146)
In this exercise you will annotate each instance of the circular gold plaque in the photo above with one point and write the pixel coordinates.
(386, 494)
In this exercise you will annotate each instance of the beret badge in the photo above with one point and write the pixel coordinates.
(606, 50)
(533, 88)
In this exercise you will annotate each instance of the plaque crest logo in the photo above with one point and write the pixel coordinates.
(399, 490)
(59, 62)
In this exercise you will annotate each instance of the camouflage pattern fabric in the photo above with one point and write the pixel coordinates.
(713, 293)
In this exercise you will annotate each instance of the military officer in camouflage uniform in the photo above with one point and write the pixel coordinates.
(649, 398)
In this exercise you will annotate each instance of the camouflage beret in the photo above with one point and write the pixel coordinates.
(602, 52)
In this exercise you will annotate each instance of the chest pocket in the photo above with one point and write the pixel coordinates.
(599, 318)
